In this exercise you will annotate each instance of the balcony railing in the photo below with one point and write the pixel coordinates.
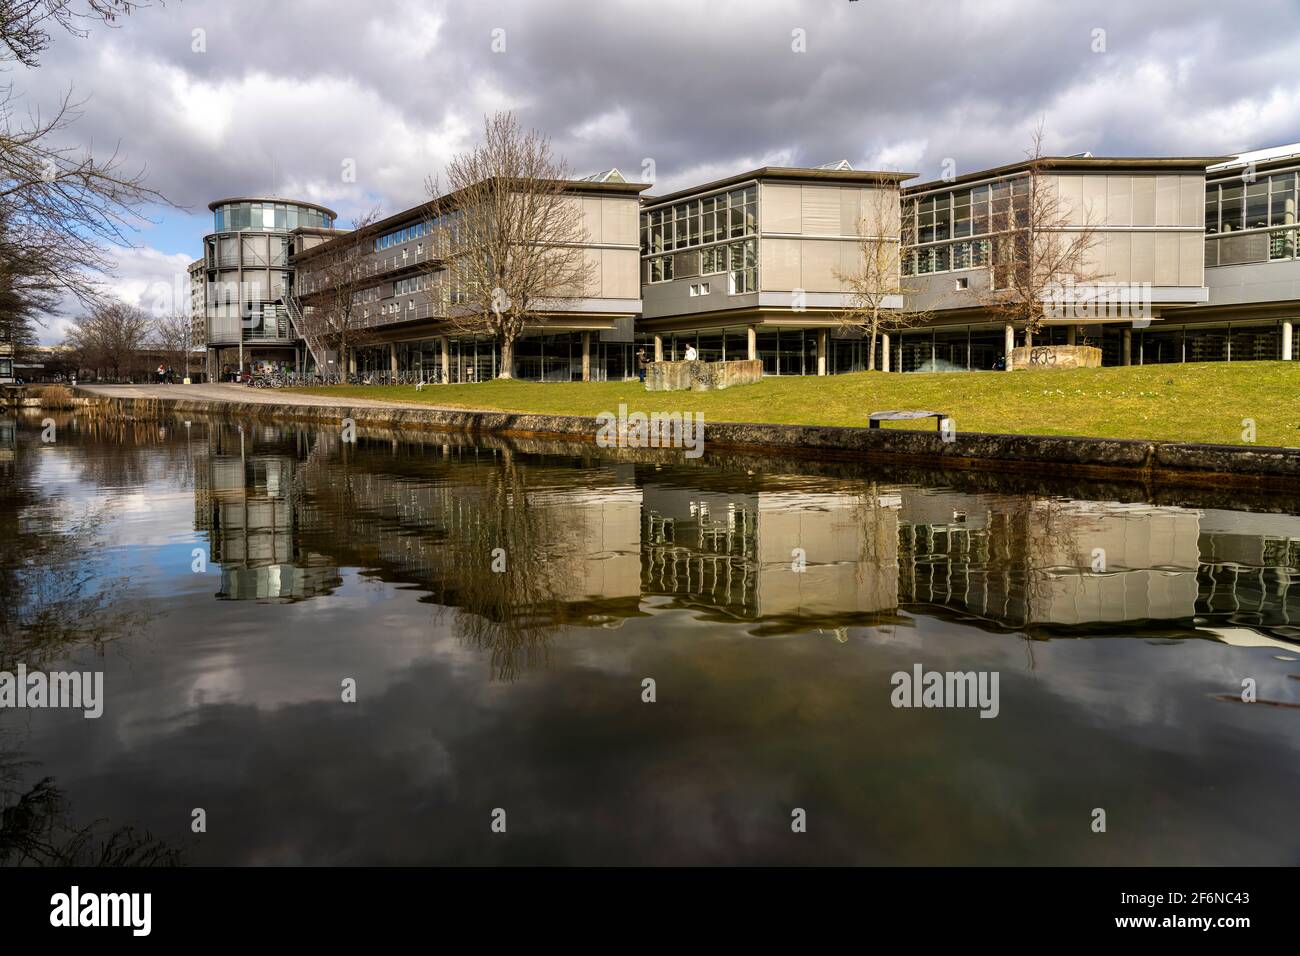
(1252, 245)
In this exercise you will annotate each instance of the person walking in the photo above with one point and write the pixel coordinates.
(161, 374)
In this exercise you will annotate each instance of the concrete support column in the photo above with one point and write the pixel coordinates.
(659, 348)
(1287, 353)
(586, 356)
(1127, 350)
(1069, 335)
(884, 351)
(392, 359)
(445, 344)
(751, 334)
(1029, 338)
(823, 337)
(1008, 342)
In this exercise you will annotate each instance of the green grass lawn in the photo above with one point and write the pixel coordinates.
(1204, 402)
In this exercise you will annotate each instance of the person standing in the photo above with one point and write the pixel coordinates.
(691, 354)
(641, 363)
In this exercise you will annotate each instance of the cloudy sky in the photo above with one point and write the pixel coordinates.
(235, 97)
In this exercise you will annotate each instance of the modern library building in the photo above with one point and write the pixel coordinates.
(1201, 253)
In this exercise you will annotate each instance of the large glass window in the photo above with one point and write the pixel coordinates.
(1230, 208)
(1257, 204)
(1212, 209)
(713, 260)
(961, 215)
(661, 269)
(1282, 199)
(744, 267)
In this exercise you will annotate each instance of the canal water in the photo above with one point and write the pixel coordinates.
(388, 652)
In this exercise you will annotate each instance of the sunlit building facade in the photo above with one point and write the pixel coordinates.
(1193, 259)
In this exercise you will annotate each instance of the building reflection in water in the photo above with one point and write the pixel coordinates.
(8, 439)
(586, 540)
(247, 503)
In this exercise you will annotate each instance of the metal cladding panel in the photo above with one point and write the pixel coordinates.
(1167, 201)
(1191, 259)
(782, 269)
(1119, 201)
(820, 260)
(782, 208)
(619, 220)
(821, 211)
(1144, 200)
(618, 274)
(1191, 201)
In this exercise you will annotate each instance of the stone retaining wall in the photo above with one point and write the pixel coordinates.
(1055, 356)
(1149, 461)
(701, 376)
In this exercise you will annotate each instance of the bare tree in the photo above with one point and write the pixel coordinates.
(110, 337)
(173, 336)
(334, 277)
(1040, 246)
(61, 208)
(878, 301)
(511, 234)
(26, 295)
(26, 25)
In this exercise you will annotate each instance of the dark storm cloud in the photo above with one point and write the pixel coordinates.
(399, 86)
(287, 95)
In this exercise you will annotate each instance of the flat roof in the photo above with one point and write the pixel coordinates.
(1269, 156)
(420, 212)
(1077, 163)
(273, 199)
(860, 177)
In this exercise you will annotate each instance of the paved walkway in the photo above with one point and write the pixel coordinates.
(228, 392)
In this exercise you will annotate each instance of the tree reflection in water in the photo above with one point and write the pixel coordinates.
(57, 591)
(38, 828)
(512, 558)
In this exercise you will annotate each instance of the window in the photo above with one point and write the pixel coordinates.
(1257, 204)
(709, 218)
(744, 267)
(1230, 200)
(1212, 209)
(979, 210)
(699, 288)
(1282, 199)
(713, 261)
(962, 255)
(961, 216)
(961, 284)
(661, 269)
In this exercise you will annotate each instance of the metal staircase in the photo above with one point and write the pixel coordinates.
(301, 328)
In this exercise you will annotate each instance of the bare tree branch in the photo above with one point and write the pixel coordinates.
(873, 286)
(510, 235)
(1039, 246)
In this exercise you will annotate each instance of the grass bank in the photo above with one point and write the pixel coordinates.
(1203, 402)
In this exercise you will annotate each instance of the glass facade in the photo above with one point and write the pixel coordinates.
(941, 231)
(268, 217)
(1252, 221)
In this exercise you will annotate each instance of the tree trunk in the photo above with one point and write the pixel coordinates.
(871, 354)
(507, 369)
